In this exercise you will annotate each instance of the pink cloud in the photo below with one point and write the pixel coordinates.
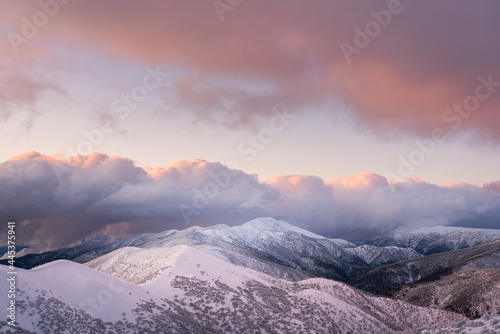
(493, 186)
(427, 58)
(19, 91)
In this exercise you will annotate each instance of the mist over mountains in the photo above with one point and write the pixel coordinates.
(60, 202)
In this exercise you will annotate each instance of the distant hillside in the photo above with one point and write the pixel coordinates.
(430, 268)
(474, 293)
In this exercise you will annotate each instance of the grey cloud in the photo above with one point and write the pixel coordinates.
(60, 202)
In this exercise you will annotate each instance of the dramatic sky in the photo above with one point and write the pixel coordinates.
(349, 118)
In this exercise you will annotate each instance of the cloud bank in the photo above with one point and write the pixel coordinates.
(58, 203)
(407, 62)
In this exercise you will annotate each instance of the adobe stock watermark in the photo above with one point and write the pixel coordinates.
(30, 27)
(121, 108)
(454, 118)
(223, 6)
(372, 29)
(11, 274)
(248, 148)
(103, 297)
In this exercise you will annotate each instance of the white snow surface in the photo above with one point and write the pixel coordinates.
(95, 292)
(257, 229)
(160, 284)
(485, 325)
(260, 233)
(184, 286)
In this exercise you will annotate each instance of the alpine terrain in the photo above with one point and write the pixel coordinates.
(264, 276)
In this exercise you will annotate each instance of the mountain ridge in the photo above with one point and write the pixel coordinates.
(430, 268)
(286, 251)
(184, 290)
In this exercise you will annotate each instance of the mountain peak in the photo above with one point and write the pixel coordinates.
(271, 224)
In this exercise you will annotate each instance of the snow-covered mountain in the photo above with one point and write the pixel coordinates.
(264, 244)
(182, 289)
(437, 239)
(264, 276)
(253, 237)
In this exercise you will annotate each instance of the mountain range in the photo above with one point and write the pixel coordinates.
(265, 276)
(181, 289)
(267, 245)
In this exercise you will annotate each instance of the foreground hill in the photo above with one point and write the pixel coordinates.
(185, 290)
(485, 325)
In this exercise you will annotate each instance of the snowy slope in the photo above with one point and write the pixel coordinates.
(437, 239)
(257, 229)
(263, 243)
(49, 296)
(185, 290)
(485, 325)
(470, 292)
(430, 268)
(379, 256)
(197, 276)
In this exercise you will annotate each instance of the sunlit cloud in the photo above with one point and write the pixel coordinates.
(58, 202)
(404, 80)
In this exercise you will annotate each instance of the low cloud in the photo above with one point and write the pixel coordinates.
(58, 203)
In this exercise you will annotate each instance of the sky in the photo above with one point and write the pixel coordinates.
(349, 118)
